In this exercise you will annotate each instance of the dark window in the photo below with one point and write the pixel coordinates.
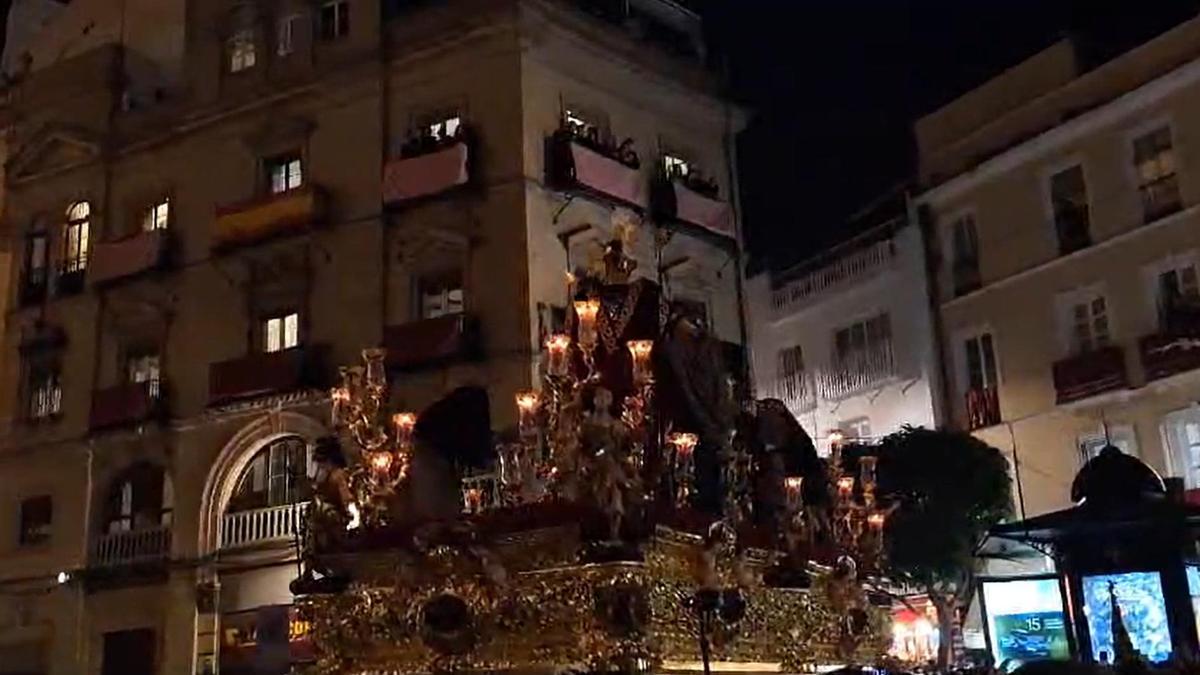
(284, 173)
(966, 255)
(440, 294)
(1158, 184)
(1069, 200)
(1178, 293)
(335, 19)
(866, 341)
(793, 381)
(981, 362)
(34, 278)
(129, 652)
(37, 513)
(276, 476)
(140, 499)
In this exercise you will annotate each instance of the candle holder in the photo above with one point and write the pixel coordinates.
(642, 370)
(793, 488)
(527, 408)
(513, 467)
(558, 355)
(587, 313)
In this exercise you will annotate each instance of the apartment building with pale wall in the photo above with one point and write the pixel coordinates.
(845, 338)
(1062, 204)
(208, 217)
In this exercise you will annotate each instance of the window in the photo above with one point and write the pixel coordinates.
(1121, 437)
(1089, 324)
(140, 499)
(37, 513)
(156, 216)
(445, 128)
(141, 368)
(284, 173)
(1182, 429)
(675, 167)
(75, 238)
(129, 652)
(980, 362)
(276, 475)
(965, 248)
(335, 20)
(440, 294)
(241, 49)
(855, 429)
(281, 332)
(35, 260)
(863, 343)
(285, 34)
(44, 388)
(1158, 186)
(1069, 201)
(793, 384)
(1177, 290)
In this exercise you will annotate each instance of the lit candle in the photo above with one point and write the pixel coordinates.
(685, 445)
(640, 350)
(557, 350)
(339, 401)
(845, 487)
(835, 439)
(527, 405)
(876, 521)
(587, 311)
(404, 423)
(381, 461)
(793, 485)
(866, 472)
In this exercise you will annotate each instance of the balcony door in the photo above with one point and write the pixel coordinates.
(1182, 431)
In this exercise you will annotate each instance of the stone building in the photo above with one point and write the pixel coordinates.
(211, 204)
(1061, 201)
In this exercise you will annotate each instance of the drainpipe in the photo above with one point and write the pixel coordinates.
(920, 216)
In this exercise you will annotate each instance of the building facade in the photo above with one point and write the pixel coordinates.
(1061, 204)
(212, 204)
(845, 339)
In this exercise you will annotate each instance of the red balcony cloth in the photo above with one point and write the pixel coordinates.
(256, 374)
(412, 177)
(609, 176)
(122, 404)
(711, 214)
(425, 341)
(126, 257)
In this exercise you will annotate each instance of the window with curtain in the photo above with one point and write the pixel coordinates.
(277, 475)
(1069, 201)
(242, 52)
(141, 498)
(1158, 184)
(75, 237)
(284, 172)
(281, 332)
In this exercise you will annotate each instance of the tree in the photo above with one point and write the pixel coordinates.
(949, 488)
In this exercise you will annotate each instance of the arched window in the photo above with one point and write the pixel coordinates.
(141, 498)
(75, 237)
(276, 476)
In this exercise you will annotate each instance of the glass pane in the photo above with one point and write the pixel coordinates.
(974, 364)
(989, 359)
(274, 335)
(291, 330)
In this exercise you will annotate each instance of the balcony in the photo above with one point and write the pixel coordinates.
(259, 526)
(1175, 348)
(798, 393)
(430, 342)
(842, 271)
(266, 217)
(147, 546)
(126, 404)
(129, 257)
(983, 407)
(693, 204)
(573, 163)
(262, 374)
(425, 175)
(1089, 374)
(70, 278)
(862, 372)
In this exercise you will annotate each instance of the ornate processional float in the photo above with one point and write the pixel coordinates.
(646, 520)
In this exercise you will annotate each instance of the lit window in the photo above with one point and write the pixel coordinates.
(858, 428)
(1158, 184)
(1089, 325)
(285, 35)
(75, 238)
(675, 167)
(275, 476)
(281, 332)
(45, 391)
(445, 128)
(242, 51)
(285, 173)
(335, 19)
(440, 294)
(157, 216)
(144, 368)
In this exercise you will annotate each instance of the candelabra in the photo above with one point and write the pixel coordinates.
(856, 520)
(385, 443)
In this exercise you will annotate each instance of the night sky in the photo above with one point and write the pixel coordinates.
(836, 84)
